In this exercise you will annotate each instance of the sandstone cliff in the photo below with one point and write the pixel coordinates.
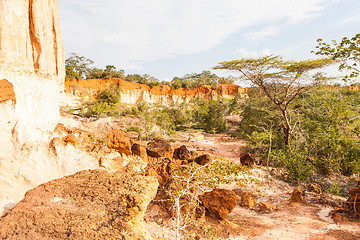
(134, 92)
(31, 80)
(32, 60)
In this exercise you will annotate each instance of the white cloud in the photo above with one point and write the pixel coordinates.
(246, 54)
(352, 19)
(264, 34)
(128, 33)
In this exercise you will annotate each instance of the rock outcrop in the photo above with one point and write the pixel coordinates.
(182, 153)
(219, 202)
(7, 92)
(117, 139)
(87, 205)
(132, 93)
(159, 147)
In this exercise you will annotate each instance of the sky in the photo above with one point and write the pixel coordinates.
(168, 38)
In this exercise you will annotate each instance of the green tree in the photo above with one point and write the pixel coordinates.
(281, 81)
(347, 52)
(109, 72)
(77, 67)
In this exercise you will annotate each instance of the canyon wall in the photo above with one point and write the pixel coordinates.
(32, 60)
(31, 80)
(131, 93)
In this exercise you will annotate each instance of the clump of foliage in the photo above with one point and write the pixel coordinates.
(194, 80)
(325, 135)
(144, 79)
(347, 52)
(79, 67)
(109, 72)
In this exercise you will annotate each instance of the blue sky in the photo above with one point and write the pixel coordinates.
(168, 38)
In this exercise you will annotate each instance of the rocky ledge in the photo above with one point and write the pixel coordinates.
(92, 204)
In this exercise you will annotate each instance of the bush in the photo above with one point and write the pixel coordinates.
(106, 104)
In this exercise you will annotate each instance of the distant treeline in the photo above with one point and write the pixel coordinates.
(78, 67)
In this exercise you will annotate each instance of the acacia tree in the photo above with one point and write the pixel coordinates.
(347, 52)
(281, 81)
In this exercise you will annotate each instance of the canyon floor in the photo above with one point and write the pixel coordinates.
(309, 221)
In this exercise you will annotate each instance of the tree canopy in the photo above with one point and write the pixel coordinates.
(347, 52)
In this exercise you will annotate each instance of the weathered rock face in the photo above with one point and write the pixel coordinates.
(32, 73)
(30, 35)
(32, 60)
(87, 205)
(134, 92)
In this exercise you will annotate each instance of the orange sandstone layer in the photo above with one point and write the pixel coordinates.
(134, 92)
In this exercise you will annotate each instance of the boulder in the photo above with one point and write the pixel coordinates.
(159, 147)
(246, 160)
(219, 202)
(249, 200)
(298, 196)
(117, 139)
(140, 151)
(182, 153)
(92, 204)
(203, 159)
(113, 162)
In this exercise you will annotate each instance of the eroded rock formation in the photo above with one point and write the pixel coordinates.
(32, 74)
(87, 205)
(134, 92)
(32, 60)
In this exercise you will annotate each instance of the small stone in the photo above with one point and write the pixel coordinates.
(266, 207)
(248, 200)
(203, 159)
(298, 196)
